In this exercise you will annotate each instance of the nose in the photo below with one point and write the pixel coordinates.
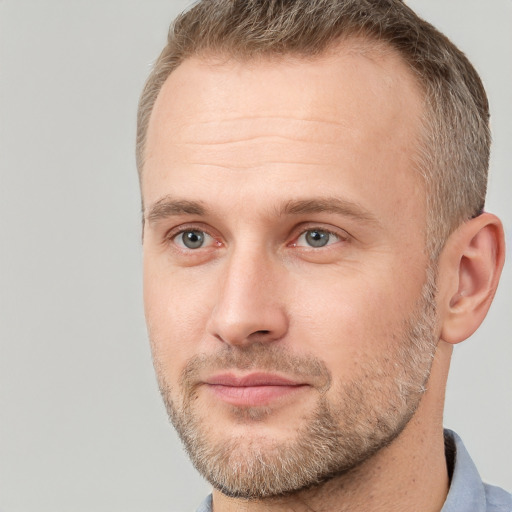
(249, 307)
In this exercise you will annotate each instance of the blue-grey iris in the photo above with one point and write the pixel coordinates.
(193, 239)
(317, 238)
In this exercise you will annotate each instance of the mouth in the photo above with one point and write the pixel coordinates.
(255, 389)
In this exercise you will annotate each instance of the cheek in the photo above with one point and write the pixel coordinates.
(353, 320)
(176, 318)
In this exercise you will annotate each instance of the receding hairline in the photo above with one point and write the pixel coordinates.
(357, 43)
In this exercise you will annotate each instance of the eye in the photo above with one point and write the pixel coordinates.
(317, 238)
(192, 239)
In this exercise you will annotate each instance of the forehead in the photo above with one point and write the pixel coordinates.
(356, 77)
(347, 117)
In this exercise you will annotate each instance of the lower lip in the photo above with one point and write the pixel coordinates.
(252, 396)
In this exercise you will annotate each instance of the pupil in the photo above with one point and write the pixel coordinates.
(317, 238)
(193, 239)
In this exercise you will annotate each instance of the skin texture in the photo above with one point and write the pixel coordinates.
(251, 156)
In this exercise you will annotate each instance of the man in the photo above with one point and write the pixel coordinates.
(313, 177)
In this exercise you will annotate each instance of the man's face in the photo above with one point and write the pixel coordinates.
(284, 264)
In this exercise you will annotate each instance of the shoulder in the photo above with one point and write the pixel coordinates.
(498, 500)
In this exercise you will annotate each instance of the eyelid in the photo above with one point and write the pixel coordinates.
(341, 234)
(171, 234)
(174, 232)
(178, 240)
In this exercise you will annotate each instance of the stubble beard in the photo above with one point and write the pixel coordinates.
(366, 415)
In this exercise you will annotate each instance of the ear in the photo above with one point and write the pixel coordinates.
(468, 273)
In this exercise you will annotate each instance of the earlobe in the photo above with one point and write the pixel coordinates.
(469, 270)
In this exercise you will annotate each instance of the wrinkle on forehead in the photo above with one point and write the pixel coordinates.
(191, 96)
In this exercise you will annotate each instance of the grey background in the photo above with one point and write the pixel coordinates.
(81, 424)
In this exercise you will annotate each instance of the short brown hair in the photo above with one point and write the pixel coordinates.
(453, 156)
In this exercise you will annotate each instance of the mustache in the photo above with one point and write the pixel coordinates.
(261, 357)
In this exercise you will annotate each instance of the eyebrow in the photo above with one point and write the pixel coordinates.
(168, 206)
(334, 205)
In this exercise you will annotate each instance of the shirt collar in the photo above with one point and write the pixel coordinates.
(467, 491)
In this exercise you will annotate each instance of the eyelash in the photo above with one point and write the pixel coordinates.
(172, 235)
(330, 233)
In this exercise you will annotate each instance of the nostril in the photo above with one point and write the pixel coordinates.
(262, 335)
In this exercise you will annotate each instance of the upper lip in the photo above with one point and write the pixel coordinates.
(253, 379)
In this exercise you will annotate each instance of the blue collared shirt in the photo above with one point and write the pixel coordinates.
(467, 491)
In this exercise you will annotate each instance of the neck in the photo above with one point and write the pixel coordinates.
(410, 474)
